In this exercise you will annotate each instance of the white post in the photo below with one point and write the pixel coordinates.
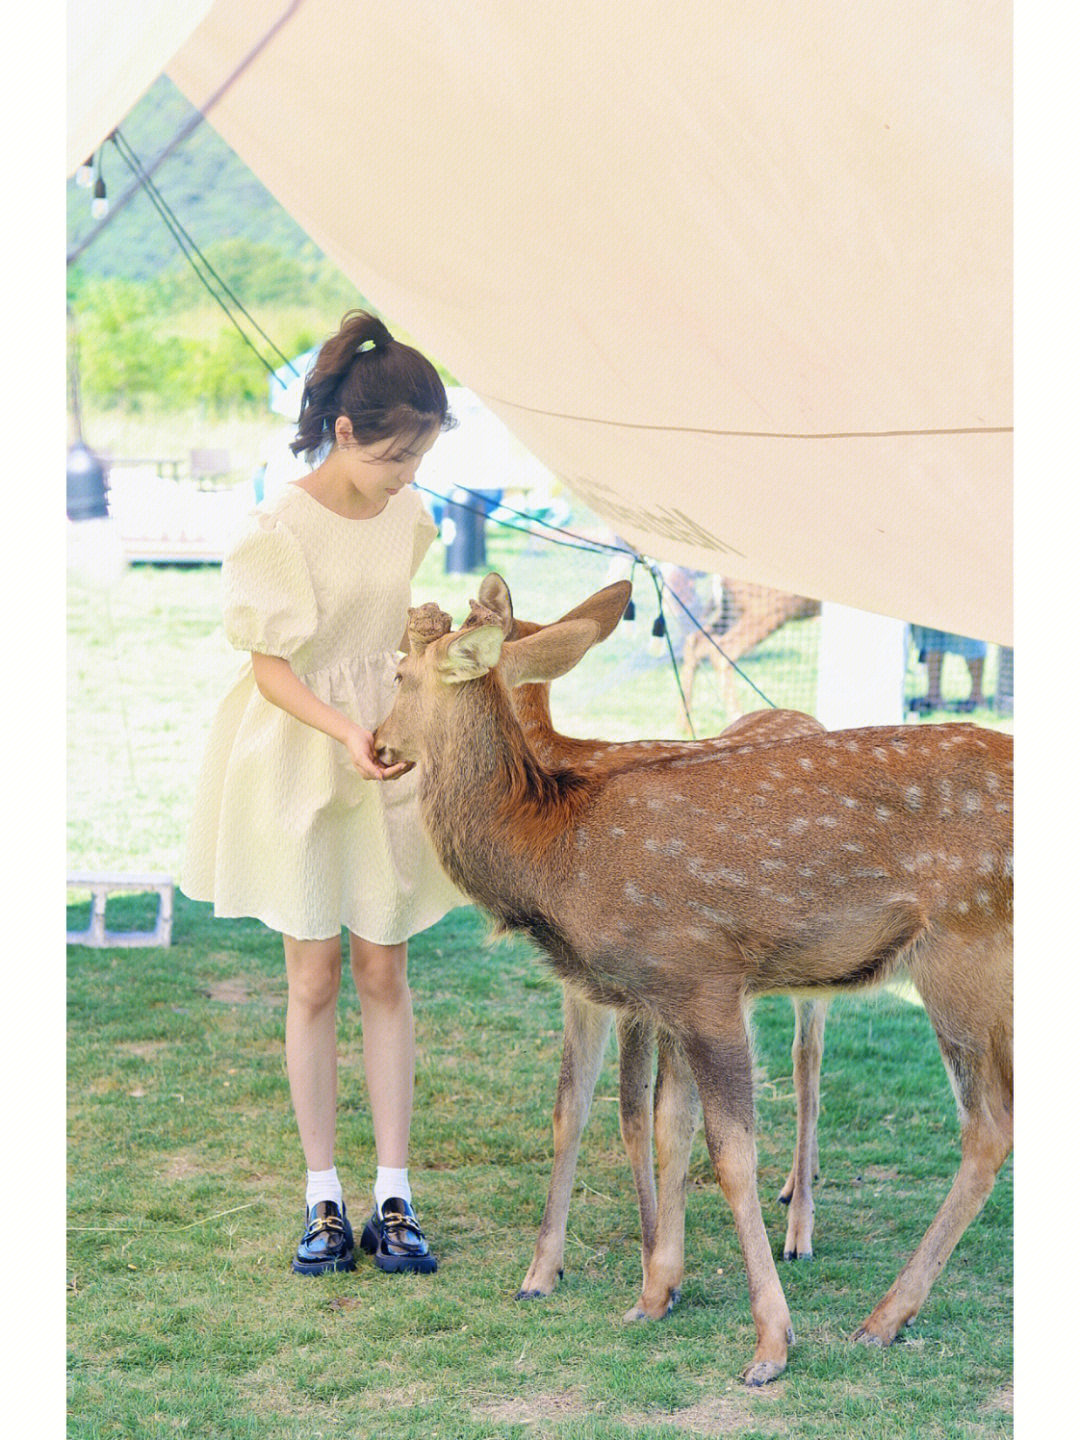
(861, 663)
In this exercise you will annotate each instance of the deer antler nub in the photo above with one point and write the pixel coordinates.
(427, 623)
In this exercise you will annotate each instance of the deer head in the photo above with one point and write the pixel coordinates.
(439, 662)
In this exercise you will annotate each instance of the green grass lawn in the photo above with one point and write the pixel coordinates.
(186, 1195)
(186, 1178)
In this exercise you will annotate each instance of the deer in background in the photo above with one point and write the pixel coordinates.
(586, 1027)
(680, 889)
(758, 612)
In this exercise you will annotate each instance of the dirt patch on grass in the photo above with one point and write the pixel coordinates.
(531, 1409)
(1001, 1402)
(228, 992)
(144, 1049)
(714, 1415)
(182, 1167)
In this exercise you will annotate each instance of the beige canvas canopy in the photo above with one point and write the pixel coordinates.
(740, 274)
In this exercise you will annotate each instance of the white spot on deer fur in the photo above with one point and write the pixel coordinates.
(870, 872)
(733, 877)
(962, 907)
(718, 917)
(982, 897)
(765, 785)
(849, 802)
(806, 762)
(806, 871)
(798, 825)
(993, 781)
(773, 865)
(987, 863)
(913, 797)
(880, 753)
(829, 821)
(778, 774)
(617, 832)
(882, 812)
(633, 894)
(972, 801)
(853, 846)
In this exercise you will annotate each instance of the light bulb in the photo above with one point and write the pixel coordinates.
(84, 175)
(99, 206)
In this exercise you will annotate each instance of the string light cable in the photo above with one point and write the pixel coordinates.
(191, 250)
(600, 547)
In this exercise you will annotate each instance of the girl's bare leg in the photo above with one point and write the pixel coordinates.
(314, 973)
(386, 1017)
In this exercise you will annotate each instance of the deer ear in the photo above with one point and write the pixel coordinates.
(551, 652)
(470, 654)
(606, 607)
(495, 596)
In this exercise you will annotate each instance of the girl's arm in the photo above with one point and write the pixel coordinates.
(279, 683)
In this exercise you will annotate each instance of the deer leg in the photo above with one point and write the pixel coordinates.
(721, 1067)
(798, 1191)
(586, 1028)
(636, 1036)
(974, 1030)
(677, 1115)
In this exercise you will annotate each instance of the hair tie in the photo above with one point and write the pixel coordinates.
(365, 346)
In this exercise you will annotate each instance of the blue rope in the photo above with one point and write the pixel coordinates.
(600, 547)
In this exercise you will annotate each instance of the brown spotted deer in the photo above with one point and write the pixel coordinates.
(586, 1027)
(758, 612)
(681, 889)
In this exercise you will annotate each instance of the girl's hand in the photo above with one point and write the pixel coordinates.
(360, 744)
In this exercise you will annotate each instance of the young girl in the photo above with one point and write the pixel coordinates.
(292, 823)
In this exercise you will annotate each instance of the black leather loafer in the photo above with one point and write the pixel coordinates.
(327, 1242)
(396, 1241)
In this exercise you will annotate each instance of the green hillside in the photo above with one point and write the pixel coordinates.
(211, 191)
(152, 332)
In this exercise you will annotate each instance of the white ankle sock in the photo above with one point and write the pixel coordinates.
(323, 1185)
(391, 1183)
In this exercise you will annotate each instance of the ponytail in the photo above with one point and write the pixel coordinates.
(385, 388)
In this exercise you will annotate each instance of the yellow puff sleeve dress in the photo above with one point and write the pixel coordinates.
(283, 829)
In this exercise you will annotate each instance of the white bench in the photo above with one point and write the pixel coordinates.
(100, 887)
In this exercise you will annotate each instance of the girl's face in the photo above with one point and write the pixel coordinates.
(379, 470)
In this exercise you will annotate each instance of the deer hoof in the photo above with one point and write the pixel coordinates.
(798, 1254)
(762, 1372)
(862, 1336)
(644, 1311)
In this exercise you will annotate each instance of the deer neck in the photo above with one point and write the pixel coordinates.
(501, 820)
